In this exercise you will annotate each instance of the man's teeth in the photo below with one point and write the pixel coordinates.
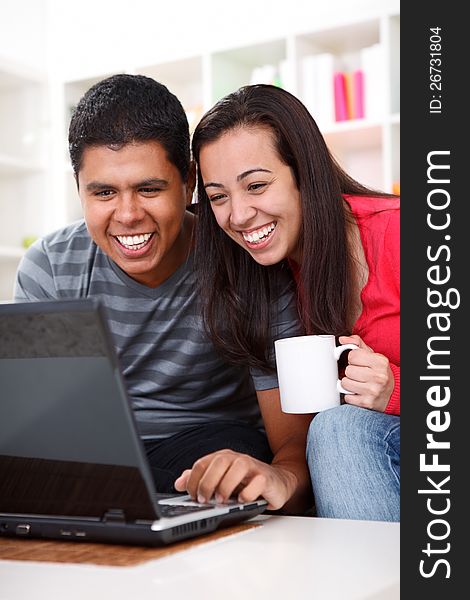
(134, 242)
(255, 237)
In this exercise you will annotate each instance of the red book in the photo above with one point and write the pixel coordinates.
(341, 110)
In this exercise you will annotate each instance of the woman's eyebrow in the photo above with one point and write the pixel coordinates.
(213, 184)
(239, 177)
(246, 173)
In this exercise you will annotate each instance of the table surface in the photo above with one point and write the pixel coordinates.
(288, 558)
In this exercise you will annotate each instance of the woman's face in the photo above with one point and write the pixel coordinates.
(253, 194)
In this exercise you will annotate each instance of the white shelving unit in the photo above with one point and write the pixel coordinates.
(368, 148)
(23, 160)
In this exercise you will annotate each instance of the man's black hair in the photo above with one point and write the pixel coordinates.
(123, 109)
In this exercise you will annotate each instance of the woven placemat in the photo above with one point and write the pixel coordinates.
(103, 554)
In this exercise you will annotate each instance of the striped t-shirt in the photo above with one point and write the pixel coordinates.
(174, 375)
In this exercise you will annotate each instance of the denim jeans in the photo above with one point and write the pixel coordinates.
(353, 455)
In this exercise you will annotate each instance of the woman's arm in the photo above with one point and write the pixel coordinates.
(287, 434)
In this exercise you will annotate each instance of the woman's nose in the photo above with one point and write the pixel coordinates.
(242, 212)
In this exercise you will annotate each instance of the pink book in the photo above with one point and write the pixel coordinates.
(341, 110)
(358, 86)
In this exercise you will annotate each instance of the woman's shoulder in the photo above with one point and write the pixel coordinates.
(371, 205)
(378, 217)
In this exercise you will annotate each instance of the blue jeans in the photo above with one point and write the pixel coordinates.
(353, 455)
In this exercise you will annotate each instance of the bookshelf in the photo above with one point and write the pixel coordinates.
(23, 160)
(37, 199)
(368, 148)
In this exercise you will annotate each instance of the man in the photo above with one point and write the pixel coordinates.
(199, 417)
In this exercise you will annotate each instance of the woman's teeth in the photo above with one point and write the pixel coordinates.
(134, 242)
(255, 237)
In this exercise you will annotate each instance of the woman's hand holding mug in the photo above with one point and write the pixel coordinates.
(368, 375)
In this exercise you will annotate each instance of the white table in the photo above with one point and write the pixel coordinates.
(288, 558)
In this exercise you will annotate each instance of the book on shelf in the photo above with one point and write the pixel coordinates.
(341, 105)
(349, 95)
(358, 87)
(353, 90)
(373, 66)
(317, 87)
(333, 92)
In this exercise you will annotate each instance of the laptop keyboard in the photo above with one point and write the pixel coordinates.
(175, 510)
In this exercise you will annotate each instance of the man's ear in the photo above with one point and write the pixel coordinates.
(191, 183)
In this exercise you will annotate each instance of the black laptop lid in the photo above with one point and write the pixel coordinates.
(68, 444)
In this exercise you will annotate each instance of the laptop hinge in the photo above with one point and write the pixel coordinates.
(114, 515)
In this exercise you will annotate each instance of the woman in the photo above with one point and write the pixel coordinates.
(270, 195)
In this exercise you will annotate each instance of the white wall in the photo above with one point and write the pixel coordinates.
(99, 36)
(77, 38)
(23, 35)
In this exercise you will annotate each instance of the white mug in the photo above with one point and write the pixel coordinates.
(307, 370)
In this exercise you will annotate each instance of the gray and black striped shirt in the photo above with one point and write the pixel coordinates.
(174, 375)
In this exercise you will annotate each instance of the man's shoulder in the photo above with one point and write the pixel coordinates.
(74, 237)
(61, 252)
(56, 265)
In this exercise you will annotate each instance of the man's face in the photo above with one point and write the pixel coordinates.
(134, 203)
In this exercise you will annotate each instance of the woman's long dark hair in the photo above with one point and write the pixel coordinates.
(237, 291)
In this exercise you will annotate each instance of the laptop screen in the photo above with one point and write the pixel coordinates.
(68, 445)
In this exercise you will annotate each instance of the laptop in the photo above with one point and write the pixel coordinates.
(72, 465)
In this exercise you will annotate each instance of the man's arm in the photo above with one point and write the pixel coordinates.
(283, 483)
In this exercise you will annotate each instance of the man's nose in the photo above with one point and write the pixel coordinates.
(129, 208)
